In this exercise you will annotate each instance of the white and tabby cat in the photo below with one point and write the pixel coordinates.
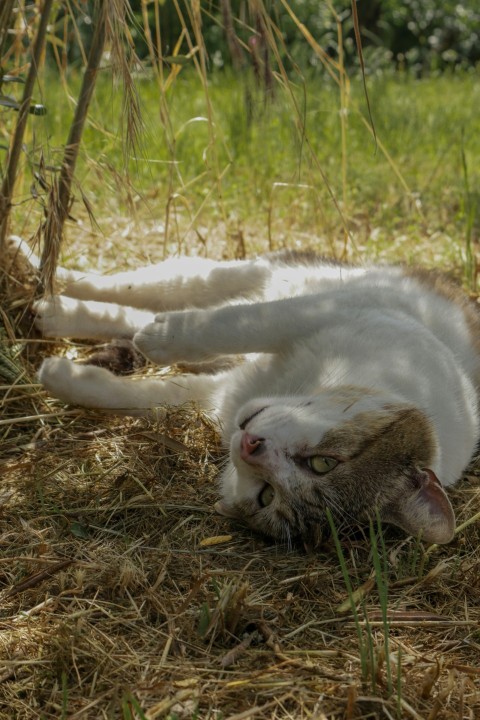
(358, 392)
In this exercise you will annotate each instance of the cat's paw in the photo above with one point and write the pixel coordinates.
(173, 337)
(72, 383)
(58, 316)
(57, 374)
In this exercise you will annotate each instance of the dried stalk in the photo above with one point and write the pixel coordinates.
(6, 191)
(358, 40)
(60, 194)
(124, 60)
(234, 46)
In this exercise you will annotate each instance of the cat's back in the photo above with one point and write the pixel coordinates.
(428, 299)
(431, 299)
(303, 272)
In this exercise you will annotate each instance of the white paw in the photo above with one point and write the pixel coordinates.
(57, 375)
(72, 383)
(57, 316)
(173, 337)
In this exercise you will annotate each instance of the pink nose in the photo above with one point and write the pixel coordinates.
(248, 445)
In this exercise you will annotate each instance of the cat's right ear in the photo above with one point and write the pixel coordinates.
(423, 510)
(227, 510)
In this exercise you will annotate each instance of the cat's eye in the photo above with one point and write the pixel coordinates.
(245, 422)
(320, 464)
(266, 495)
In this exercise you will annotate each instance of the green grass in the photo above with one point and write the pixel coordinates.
(263, 176)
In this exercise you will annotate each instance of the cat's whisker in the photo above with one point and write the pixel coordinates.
(286, 530)
(338, 510)
(222, 462)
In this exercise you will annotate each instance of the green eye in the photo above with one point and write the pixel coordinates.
(320, 464)
(266, 496)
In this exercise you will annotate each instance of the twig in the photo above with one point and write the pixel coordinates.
(40, 416)
(39, 577)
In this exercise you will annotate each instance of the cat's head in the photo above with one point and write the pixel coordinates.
(350, 451)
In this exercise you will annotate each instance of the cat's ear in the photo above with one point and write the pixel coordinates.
(423, 509)
(223, 508)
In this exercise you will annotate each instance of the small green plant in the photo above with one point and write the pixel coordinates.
(371, 658)
(131, 708)
(64, 711)
(379, 558)
(469, 212)
(365, 646)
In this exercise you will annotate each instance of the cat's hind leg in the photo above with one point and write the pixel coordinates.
(174, 284)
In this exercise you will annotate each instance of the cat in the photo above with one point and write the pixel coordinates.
(356, 390)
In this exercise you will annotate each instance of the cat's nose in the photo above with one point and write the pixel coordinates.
(250, 445)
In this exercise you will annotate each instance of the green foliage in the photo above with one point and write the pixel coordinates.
(423, 35)
(428, 35)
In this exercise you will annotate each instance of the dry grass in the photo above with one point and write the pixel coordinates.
(125, 596)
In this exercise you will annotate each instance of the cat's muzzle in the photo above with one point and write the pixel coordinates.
(252, 447)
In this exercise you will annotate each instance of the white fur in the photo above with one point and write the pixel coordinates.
(60, 316)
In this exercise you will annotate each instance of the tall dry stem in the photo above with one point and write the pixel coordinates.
(60, 193)
(6, 192)
(236, 51)
(118, 14)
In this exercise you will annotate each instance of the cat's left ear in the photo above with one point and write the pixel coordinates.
(423, 509)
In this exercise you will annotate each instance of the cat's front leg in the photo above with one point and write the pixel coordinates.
(199, 335)
(176, 337)
(60, 316)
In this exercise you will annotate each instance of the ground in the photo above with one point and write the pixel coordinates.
(125, 595)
